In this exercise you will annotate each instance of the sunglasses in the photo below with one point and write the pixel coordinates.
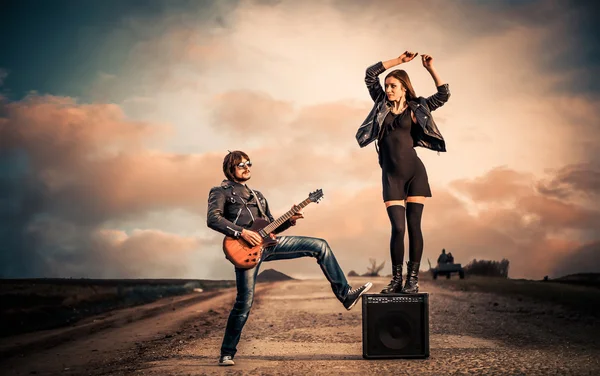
(244, 164)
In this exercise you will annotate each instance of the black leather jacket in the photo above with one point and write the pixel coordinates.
(232, 207)
(428, 137)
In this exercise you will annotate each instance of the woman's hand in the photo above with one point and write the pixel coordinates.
(428, 64)
(404, 58)
(427, 61)
(407, 56)
(251, 237)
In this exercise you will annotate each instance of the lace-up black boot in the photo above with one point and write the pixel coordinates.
(412, 278)
(395, 285)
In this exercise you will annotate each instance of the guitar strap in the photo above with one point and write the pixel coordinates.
(262, 213)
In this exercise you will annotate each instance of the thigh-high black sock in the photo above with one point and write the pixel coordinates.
(414, 212)
(397, 217)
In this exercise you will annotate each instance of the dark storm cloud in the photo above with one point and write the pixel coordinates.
(96, 36)
(582, 179)
(585, 259)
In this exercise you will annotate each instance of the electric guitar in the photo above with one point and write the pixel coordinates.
(245, 256)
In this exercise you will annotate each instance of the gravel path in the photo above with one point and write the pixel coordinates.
(298, 327)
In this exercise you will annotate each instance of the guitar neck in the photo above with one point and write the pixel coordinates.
(279, 221)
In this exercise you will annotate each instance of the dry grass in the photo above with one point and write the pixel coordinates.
(35, 304)
(580, 298)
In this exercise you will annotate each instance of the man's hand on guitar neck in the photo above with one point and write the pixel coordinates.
(299, 214)
(251, 237)
(254, 239)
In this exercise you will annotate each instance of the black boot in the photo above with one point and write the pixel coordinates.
(396, 283)
(412, 278)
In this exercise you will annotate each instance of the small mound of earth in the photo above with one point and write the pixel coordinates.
(272, 275)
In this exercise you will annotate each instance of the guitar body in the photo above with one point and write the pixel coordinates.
(240, 253)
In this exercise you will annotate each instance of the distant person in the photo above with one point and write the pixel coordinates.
(450, 258)
(398, 122)
(232, 208)
(443, 257)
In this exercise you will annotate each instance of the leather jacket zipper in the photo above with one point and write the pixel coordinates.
(365, 124)
(246, 205)
(238, 216)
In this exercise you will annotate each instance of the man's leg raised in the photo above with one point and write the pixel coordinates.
(290, 247)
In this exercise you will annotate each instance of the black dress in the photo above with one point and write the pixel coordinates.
(403, 173)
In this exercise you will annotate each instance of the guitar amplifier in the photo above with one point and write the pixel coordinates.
(395, 325)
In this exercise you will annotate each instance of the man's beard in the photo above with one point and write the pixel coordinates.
(242, 178)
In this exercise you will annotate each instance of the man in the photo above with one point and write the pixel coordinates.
(443, 257)
(232, 207)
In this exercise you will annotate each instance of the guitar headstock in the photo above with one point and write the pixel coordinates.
(316, 196)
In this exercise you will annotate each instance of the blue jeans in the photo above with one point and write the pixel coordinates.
(288, 247)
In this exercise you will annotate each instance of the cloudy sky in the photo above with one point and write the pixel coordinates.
(115, 117)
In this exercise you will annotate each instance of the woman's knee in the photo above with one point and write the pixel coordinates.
(397, 217)
(398, 227)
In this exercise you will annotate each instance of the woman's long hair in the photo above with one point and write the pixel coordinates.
(402, 76)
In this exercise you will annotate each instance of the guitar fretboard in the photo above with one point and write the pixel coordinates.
(279, 221)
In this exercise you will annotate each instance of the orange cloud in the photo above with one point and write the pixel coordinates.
(256, 115)
(535, 232)
(246, 80)
(77, 166)
(498, 184)
(93, 162)
(90, 164)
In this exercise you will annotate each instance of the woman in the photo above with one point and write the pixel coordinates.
(398, 122)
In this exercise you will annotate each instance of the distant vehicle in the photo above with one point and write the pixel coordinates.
(446, 269)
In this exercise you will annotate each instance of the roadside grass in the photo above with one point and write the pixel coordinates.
(28, 305)
(580, 298)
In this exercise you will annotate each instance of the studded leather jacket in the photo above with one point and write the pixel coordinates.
(232, 207)
(427, 135)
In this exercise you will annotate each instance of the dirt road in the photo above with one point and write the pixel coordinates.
(298, 327)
